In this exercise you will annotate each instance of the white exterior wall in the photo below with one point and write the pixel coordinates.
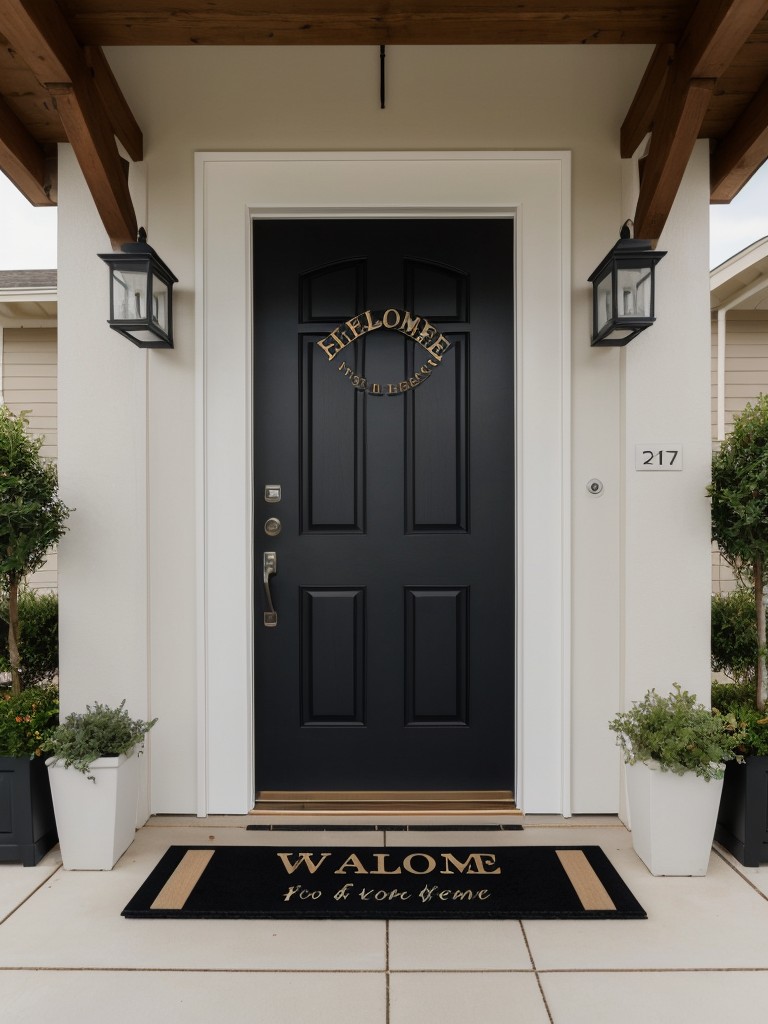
(637, 581)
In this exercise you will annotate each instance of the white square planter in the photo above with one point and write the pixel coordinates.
(96, 821)
(673, 818)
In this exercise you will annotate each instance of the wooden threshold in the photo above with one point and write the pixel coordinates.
(387, 802)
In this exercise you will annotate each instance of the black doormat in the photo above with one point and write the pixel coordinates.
(328, 882)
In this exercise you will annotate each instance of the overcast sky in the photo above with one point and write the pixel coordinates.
(28, 234)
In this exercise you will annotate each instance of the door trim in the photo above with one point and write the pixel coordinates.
(231, 189)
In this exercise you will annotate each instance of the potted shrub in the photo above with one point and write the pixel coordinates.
(742, 820)
(739, 493)
(27, 825)
(94, 772)
(675, 751)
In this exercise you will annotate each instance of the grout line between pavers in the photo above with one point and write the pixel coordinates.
(387, 976)
(387, 973)
(735, 869)
(536, 973)
(653, 970)
(31, 894)
(363, 971)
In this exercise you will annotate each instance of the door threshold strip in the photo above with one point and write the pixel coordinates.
(349, 803)
(385, 828)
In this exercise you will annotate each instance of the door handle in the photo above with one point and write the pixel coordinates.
(270, 569)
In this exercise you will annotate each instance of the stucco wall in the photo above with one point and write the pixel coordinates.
(639, 579)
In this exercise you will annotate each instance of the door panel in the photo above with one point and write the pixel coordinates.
(391, 666)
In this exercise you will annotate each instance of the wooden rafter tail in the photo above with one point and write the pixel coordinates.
(124, 124)
(84, 91)
(90, 134)
(672, 142)
(23, 159)
(639, 119)
(711, 40)
(741, 151)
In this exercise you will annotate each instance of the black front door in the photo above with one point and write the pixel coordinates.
(384, 412)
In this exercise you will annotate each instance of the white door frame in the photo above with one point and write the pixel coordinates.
(230, 190)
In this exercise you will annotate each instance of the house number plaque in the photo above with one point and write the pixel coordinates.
(417, 328)
(655, 457)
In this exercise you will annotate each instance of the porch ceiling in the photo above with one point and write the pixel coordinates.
(707, 77)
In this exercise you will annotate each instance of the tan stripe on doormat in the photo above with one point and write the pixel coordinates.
(588, 886)
(179, 886)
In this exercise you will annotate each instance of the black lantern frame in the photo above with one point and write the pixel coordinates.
(624, 291)
(140, 294)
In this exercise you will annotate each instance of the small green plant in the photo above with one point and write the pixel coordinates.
(27, 721)
(39, 636)
(676, 732)
(736, 703)
(100, 731)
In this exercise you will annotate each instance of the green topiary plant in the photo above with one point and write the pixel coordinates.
(734, 636)
(101, 731)
(679, 734)
(32, 517)
(27, 721)
(739, 492)
(38, 636)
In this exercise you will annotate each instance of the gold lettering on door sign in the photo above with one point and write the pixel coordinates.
(417, 328)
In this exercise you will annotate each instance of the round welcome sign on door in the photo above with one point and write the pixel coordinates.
(417, 328)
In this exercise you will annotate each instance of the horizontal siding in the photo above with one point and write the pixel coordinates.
(746, 377)
(30, 385)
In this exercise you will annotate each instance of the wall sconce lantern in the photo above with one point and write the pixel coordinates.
(140, 290)
(623, 286)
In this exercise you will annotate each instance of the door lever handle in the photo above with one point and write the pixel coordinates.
(270, 569)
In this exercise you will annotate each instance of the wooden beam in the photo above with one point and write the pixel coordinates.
(739, 154)
(711, 40)
(373, 22)
(39, 32)
(674, 136)
(123, 122)
(640, 115)
(89, 130)
(718, 29)
(23, 159)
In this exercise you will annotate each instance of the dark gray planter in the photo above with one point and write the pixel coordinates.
(27, 824)
(742, 821)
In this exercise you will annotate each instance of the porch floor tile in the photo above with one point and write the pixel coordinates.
(457, 998)
(124, 997)
(637, 997)
(63, 943)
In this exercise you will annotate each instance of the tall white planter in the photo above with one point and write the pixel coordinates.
(673, 818)
(96, 821)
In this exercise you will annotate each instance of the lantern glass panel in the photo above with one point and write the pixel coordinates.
(633, 292)
(604, 301)
(159, 311)
(129, 294)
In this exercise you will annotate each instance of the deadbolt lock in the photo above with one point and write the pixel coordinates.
(272, 527)
(273, 493)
